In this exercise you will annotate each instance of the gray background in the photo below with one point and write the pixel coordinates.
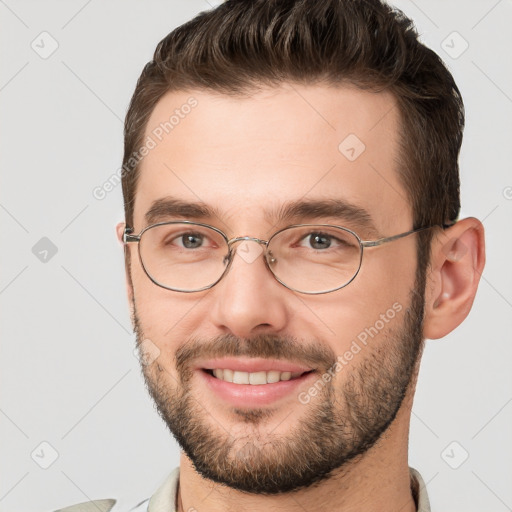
(68, 373)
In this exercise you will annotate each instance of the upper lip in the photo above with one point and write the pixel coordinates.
(252, 365)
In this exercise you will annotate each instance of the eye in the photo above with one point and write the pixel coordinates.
(189, 240)
(186, 240)
(321, 241)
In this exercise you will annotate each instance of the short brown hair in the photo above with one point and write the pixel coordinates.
(244, 44)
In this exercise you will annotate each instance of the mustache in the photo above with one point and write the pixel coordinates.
(267, 346)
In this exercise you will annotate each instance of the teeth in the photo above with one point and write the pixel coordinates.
(240, 378)
(273, 376)
(255, 378)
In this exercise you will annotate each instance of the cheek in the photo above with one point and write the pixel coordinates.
(160, 312)
(372, 305)
(389, 271)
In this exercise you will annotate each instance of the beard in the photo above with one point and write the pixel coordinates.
(343, 421)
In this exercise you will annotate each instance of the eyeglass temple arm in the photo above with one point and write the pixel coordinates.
(380, 241)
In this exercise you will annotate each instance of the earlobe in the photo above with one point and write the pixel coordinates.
(457, 262)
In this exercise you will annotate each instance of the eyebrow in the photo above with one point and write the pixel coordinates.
(166, 207)
(338, 209)
(291, 212)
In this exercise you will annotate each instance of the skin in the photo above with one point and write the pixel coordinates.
(282, 145)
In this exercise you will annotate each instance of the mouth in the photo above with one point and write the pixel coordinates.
(253, 382)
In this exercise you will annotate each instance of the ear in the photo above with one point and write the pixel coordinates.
(128, 279)
(456, 264)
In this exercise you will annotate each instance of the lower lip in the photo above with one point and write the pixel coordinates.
(248, 395)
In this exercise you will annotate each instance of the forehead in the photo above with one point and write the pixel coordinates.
(247, 156)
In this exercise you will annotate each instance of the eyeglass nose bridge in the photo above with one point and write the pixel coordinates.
(249, 258)
(247, 238)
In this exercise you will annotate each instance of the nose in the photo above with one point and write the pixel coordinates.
(248, 300)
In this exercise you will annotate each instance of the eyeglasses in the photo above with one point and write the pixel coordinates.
(187, 257)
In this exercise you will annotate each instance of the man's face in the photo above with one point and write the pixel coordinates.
(354, 349)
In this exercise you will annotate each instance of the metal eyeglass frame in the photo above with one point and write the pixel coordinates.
(129, 237)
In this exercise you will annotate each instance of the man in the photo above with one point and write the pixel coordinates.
(291, 238)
